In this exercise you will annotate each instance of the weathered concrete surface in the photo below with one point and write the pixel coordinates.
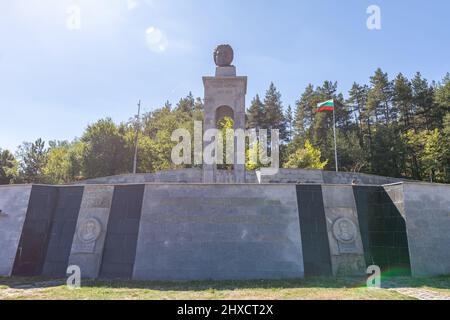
(192, 232)
(396, 194)
(427, 210)
(296, 176)
(347, 258)
(13, 204)
(96, 204)
(331, 177)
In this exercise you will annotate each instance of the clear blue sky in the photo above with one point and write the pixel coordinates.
(54, 81)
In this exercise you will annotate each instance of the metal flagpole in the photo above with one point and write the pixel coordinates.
(335, 143)
(137, 138)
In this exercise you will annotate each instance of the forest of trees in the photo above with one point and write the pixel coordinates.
(393, 127)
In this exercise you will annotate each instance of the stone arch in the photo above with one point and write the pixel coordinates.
(222, 112)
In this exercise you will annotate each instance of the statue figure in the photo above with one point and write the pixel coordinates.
(223, 55)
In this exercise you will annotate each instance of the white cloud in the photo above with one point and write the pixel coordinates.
(132, 4)
(98, 15)
(156, 40)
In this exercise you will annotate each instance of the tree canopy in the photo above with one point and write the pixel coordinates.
(398, 128)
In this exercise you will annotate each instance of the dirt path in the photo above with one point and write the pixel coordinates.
(28, 289)
(421, 294)
(417, 293)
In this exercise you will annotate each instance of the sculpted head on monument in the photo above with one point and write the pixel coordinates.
(89, 230)
(223, 55)
(344, 230)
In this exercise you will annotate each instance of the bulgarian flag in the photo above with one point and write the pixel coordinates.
(326, 106)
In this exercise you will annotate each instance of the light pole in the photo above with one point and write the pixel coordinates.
(137, 138)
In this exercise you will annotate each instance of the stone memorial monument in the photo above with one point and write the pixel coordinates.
(224, 97)
(169, 225)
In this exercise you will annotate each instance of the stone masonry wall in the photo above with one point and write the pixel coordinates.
(427, 210)
(192, 232)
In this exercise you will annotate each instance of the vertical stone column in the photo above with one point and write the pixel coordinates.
(344, 236)
(227, 90)
(239, 123)
(209, 123)
(224, 91)
(89, 238)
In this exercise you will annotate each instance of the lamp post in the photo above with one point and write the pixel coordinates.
(137, 138)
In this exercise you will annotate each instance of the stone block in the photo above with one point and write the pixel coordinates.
(229, 71)
(89, 238)
(344, 235)
(427, 212)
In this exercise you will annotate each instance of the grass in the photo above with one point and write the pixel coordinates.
(341, 288)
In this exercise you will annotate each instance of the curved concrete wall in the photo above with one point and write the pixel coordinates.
(295, 176)
(228, 231)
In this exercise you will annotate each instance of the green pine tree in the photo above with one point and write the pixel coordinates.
(380, 98)
(304, 111)
(255, 114)
(402, 100)
(273, 112)
(423, 105)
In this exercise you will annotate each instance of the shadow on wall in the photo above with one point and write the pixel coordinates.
(383, 230)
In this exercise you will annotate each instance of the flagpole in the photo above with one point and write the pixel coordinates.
(335, 143)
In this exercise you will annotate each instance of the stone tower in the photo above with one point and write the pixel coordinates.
(224, 97)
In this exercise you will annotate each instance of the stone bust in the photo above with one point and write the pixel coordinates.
(223, 55)
(89, 230)
(344, 230)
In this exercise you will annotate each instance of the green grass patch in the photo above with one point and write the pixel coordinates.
(324, 288)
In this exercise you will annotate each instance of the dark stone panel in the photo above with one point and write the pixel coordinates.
(62, 230)
(35, 235)
(316, 248)
(123, 227)
(383, 230)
